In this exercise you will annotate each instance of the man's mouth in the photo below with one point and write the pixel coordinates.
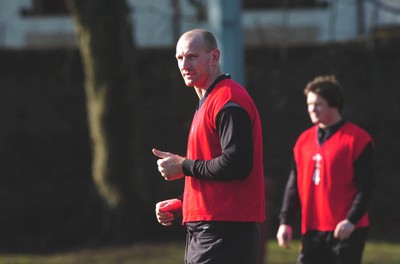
(188, 74)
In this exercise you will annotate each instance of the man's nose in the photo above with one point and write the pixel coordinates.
(185, 64)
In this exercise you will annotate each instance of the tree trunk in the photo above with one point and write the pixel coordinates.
(108, 54)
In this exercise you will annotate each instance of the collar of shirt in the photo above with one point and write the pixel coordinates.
(212, 86)
(325, 133)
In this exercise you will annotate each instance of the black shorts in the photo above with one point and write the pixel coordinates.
(322, 247)
(221, 243)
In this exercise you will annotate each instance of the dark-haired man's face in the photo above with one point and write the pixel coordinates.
(320, 111)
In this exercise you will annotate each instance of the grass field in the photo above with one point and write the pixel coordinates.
(172, 253)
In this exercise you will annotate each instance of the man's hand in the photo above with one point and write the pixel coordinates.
(343, 230)
(168, 210)
(169, 165)
(284, 236)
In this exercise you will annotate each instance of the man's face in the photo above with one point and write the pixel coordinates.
(195, 64)
(319, 110)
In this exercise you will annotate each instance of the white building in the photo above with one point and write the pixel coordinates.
(45, 23)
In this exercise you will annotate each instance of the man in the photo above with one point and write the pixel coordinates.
(331, 180)
(223, 168)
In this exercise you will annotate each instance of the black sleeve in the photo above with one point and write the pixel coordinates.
(291, 200)
(180, 197)
(235, 132)
(364, 173)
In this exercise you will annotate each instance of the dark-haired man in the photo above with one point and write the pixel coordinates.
(332, 178)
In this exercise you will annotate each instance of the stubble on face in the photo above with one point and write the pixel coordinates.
(192, 59)
(320, 111)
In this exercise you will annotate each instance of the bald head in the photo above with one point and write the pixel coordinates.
(207, 38)
(198, 57)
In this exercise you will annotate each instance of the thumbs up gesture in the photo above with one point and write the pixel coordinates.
(169, 165)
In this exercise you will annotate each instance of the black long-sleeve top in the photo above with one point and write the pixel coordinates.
(364, 178)
(235, 132)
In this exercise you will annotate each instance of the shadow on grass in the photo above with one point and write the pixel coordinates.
(172, 253)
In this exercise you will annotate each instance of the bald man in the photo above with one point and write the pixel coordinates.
(223, 196)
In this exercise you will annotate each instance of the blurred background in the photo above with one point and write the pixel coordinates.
(89, 87)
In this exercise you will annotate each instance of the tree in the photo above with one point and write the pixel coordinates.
(105, 41)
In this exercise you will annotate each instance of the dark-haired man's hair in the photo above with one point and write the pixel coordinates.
(329, 88)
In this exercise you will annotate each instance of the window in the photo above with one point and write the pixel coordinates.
(46, 8)
(268, 4)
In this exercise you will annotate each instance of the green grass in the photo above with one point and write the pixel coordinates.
(172, 253)
(375, 252)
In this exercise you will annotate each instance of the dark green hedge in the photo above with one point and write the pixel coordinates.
(46, 193)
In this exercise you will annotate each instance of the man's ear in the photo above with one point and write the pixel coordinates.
(215, 55)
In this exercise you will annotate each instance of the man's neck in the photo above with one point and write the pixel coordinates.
(201, 91)
(331, 123)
